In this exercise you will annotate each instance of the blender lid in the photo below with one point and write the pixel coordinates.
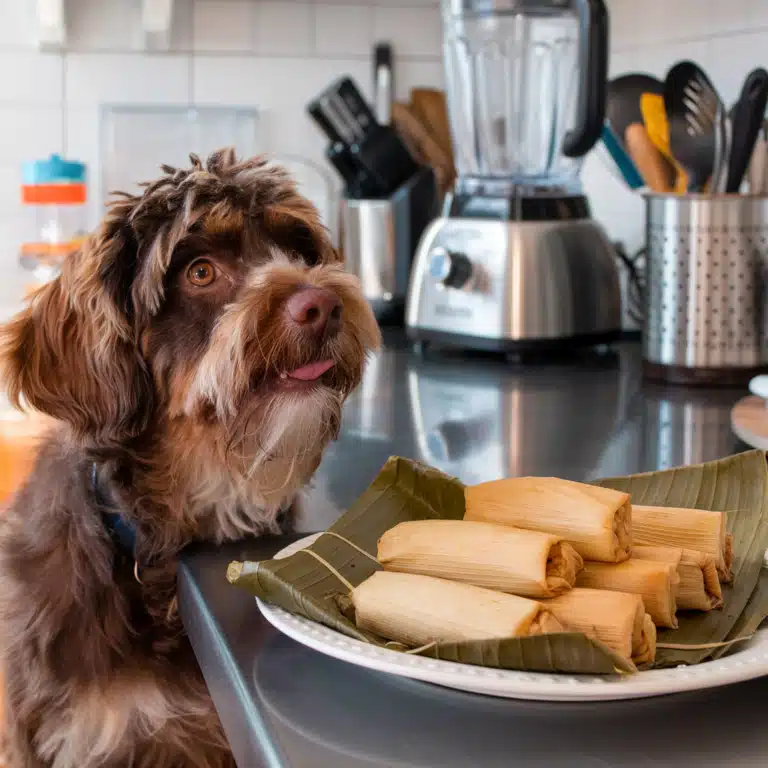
(489, 7)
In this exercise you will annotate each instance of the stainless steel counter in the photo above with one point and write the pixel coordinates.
(284, 705)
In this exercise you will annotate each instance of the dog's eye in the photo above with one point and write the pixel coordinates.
(202, 273)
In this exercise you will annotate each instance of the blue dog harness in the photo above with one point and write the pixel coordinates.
(121, 531)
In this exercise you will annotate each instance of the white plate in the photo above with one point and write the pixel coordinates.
(749, 662)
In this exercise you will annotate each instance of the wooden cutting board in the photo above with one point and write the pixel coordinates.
(20, 436)
(749, 421)
(430, 106)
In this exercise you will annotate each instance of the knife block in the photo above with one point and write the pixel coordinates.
(379, 238)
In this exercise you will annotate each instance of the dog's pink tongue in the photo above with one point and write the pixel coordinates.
(312, 371)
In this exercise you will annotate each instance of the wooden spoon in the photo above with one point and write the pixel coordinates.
(656, 170)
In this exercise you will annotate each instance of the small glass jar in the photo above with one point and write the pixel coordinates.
(54, 197)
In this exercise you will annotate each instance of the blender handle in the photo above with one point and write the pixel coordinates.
(593, 74)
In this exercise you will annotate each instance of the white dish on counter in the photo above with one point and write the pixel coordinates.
(749, 662)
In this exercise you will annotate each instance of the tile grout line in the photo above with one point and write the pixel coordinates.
(657, 44)
(64, 109)
(412, 58)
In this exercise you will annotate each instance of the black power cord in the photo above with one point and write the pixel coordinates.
(636, 269)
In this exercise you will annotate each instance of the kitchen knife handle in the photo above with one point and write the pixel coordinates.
(383, 86)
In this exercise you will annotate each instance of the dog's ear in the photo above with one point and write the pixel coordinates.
(73, 352)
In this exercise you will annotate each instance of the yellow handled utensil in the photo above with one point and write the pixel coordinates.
(655, 119)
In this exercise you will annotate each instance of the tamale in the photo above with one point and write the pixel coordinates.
(696, 529)
(596, 521)
(416, 610)
(645, 650)
(698, 588)
(617, 619)
(526, 563)
(653, 580)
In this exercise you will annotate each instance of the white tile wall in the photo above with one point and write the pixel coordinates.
(99, 25)
(284, 29)
(276, 54)
(415, 28)
(343, 30)
(270, 54)
(223, 26)
(30, 79)
(123, 78)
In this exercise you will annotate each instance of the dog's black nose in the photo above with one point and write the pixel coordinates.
(315, 310)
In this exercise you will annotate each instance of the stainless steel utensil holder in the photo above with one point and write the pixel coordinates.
(706, 288)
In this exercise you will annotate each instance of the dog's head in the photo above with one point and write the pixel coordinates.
(214, 299)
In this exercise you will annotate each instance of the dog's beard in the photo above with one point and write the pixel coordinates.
(274, 435)
(281, 437)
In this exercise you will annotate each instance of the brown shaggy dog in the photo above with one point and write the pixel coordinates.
(196, 354)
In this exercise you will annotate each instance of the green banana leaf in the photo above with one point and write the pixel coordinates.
(408, 490)
(403, 490)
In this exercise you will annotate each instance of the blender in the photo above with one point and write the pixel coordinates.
(515, 260)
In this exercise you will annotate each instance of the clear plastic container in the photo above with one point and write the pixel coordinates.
(54, 196)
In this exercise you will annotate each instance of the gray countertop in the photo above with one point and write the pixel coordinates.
(285, 705)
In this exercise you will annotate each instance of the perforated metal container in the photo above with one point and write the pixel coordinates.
(706, 288)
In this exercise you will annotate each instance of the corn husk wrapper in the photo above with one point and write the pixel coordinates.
(597, 522)
(417, 610)
(654, 581)
(737, 485)
(698, 587)
(520, 562)
(617, 619)
(696, 529)
(404, 490)
(407, 490)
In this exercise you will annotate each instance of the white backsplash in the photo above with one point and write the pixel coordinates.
(275, 55)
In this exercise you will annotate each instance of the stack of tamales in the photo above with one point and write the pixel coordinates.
(542, 555)
(674, 558)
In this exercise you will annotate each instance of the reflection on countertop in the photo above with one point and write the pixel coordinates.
(484, 422)
(481, 419)
(324, 712)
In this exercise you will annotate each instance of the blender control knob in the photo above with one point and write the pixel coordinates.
(450, 269)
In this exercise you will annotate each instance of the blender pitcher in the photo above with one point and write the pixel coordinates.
(526, 92)
(515, 262)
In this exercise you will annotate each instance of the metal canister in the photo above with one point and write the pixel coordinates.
(706, 288)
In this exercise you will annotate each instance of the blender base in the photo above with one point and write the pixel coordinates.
(423, 339)
(513, 286)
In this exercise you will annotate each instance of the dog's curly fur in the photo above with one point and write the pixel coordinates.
(173, 391)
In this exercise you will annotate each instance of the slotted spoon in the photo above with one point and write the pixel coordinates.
(697, 125)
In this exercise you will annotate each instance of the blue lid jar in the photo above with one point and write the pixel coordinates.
(54, 170)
